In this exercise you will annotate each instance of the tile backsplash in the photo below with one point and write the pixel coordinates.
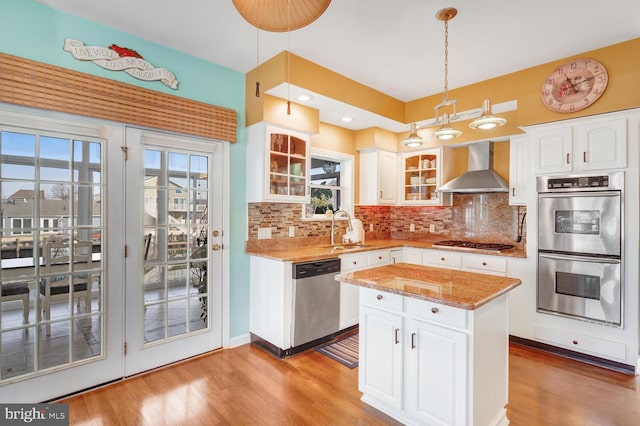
(485, 217)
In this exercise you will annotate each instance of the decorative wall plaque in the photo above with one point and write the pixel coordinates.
(116, 58)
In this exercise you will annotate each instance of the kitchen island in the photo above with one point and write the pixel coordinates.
(433, 343)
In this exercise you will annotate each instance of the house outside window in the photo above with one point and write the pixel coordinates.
(331, 185)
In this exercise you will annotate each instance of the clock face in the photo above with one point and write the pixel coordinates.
(574, 85)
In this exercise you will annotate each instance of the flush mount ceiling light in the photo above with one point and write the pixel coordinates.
(485, 121)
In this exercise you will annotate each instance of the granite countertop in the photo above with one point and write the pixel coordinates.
(314, 252)
(466, 290)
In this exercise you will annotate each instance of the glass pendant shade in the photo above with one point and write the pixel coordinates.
(446, 132)
(487, 121)
(413, 140)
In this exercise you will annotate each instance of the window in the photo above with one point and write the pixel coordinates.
(331, 182)
(21, 226)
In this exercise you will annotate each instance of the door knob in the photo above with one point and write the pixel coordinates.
(216, 247)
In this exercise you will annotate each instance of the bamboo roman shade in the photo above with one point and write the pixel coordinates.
(39, 85)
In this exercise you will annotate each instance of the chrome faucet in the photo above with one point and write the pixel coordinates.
(333, 218)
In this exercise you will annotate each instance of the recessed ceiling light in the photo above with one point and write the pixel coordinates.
(347, 119)
(304, 98)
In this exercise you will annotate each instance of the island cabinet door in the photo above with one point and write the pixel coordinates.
(380, 349)
(436, 374)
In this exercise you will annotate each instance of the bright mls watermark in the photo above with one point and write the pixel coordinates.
(34, 414)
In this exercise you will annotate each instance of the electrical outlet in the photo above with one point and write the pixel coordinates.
(371, 227)
(292, 231)
(264, 233)
(432, 227)
(412, 227)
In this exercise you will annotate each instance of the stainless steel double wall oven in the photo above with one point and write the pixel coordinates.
(580, 226)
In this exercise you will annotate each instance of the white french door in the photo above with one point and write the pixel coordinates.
(173, 268)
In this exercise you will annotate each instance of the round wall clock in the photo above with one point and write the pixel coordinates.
(574, 86)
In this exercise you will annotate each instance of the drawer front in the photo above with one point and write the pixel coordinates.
(488, 263)
(578, 342)
(378, 258)
(353, 262)
(380, 299)
(437, 313)
(443, 259)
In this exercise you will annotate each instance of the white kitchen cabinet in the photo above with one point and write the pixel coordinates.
(451, 362)
(378, 177)
(381, 353)
(581, 145)
(484, 264)
(397, 255)
(278, 163)
(421, 173)
(442, 259)
(413, 255)
(518, 170)
(349, 293)
(438, 358)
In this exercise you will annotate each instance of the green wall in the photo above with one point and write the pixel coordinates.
(34, 31)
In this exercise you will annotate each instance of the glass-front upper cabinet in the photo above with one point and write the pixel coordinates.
(287, 164)
(277, 164)
(422, 174)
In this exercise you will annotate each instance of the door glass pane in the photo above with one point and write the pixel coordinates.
(52, 255)
(175, 233)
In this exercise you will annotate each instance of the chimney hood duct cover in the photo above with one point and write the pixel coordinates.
(480, 177)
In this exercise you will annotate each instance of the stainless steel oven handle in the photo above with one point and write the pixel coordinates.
(571, 194)
(579, 258)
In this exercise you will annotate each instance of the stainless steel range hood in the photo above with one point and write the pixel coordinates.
(480, 177)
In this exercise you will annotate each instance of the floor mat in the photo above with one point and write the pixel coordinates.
(345, 350)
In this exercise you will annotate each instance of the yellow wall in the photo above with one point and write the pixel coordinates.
(338, 139)
(621, 60)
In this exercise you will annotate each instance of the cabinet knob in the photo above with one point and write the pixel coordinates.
(575, 342)
(442, 259)
(379, 297)
(355, 262)
(379, 257)
(484, 263)
(434, 310)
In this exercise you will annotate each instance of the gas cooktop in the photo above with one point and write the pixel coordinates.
(473, 245)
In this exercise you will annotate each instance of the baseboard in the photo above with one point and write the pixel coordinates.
(236, 341)
(578, 356)
(284, 353)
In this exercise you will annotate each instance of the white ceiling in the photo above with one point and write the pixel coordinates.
(396, 47)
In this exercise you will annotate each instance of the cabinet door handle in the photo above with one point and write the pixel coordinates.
(568, 162)
(513, 192)
(434, 310)
(397, 335)
(380, 195)
(584, 156)
(413, 340)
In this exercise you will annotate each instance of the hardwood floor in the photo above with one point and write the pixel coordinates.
(247, 386)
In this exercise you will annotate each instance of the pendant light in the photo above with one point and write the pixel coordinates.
(446, 132)
(487, 121)
(413, 140)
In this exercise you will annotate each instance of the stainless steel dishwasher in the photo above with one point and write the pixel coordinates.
(316, 300)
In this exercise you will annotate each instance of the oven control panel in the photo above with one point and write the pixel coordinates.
(567, 183)
(578, 182)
